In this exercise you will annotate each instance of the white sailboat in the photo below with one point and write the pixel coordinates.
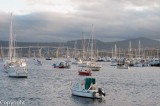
(48, 56)
(14, 66)
(93, 65)
(114, 57)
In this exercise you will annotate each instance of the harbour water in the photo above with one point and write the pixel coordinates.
(46, 86)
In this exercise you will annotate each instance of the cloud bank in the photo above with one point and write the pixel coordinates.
(112, 19)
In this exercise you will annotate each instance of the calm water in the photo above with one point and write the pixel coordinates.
(46, 86)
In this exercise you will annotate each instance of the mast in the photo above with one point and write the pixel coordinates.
(34, 54)
(130, 49)
(29, 53)
(139, 49)
(112, 53)
(57, 52)
(83, 46)
(2, 53)
(75, 49)
(40, 52)
(11, 42)
(48, 53)
(14, 49)
(157, 53)
(115, 47)
(92, 44)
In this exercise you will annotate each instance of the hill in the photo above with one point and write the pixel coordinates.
(145, 43)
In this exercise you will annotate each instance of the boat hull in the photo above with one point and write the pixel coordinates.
(94, 68)
(17, 73)
(86, 94)
(122, 67)
(85, 73)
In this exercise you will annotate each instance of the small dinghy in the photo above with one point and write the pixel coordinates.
(87, 88)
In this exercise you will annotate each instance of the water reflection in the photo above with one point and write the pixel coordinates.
(87, 101)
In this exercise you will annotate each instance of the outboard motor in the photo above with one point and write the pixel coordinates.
(101, 92)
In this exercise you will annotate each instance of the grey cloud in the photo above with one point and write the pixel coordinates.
(110, 19)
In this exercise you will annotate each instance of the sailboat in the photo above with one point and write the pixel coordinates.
(93, 65)
(14, 66)
(48, 57)
(63, 64)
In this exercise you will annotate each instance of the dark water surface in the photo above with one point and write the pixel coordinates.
(46, 86)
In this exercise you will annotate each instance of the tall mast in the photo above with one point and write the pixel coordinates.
(11, 41)
(40, 52)
(14, 49)
(75, 49)
(83, 46)
(130, 49)
(112, 53)
(115, 50)
(139, 49)
(92, 43)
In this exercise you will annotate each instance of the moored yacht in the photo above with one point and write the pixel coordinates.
(15, 67)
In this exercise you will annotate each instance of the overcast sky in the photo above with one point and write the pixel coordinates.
(63, 20)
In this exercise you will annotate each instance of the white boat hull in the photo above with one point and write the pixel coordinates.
(94, 68)
(19, 72)
(87, 93)
(122, 67)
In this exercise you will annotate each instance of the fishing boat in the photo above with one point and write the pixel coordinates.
(87, 88)
(85, 71)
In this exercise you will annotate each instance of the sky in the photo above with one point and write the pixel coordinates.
(65, 20)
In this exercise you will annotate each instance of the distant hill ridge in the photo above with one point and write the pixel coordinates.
(145, 43)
